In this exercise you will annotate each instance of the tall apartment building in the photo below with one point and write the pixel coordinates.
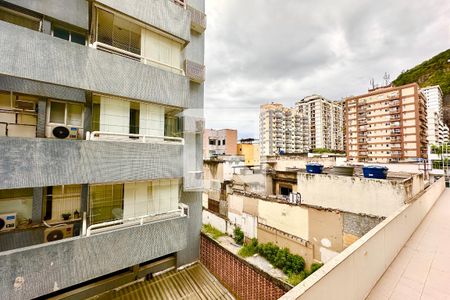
(325, 121)
(437, 130)
(100, 133)
(314, 122)
(281, 130)
(219, 142)
(387, 124)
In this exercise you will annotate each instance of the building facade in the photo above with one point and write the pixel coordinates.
(101, 131)
(387, 124)
(219, 142)
(437, 130)
(250, 149)
(314, 122)
(325, 121)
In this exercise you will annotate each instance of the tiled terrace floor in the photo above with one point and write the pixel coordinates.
(422, 268)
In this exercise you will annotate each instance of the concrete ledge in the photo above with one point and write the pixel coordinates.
(38, 162)
(354, 272)
(41, 269)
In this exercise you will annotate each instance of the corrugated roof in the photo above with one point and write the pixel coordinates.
(193, 282)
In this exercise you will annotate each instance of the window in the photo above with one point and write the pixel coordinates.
(60, 200)
(223, 142)
(285, 190)
(70, 114)
(118, 32)
(20, 19)
(212, 142)
(134, 118)
(19, 201)
(69, 35)
(218, 142)
(106, 203)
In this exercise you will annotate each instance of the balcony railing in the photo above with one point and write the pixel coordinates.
(182, 211)
(131, 137)
(137, 57)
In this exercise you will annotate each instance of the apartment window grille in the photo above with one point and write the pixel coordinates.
(118, 32)
(106, 203)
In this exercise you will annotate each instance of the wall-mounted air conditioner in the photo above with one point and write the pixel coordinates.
(7, 221)
(63, 132)
(58, 233)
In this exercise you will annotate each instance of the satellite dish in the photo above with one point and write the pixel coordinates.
(61, 132)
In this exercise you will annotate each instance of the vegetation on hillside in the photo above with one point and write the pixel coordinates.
(435, 71)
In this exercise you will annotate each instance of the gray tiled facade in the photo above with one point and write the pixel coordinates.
(37, 64)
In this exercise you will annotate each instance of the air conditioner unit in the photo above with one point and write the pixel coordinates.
(63, 132)
(7, 221)
(25, 105)
(58, 233)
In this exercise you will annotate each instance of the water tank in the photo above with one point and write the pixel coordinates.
(344, 170)
(314, 168)
(378, 172)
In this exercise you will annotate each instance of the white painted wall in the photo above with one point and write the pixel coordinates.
(353, 273)
(352, 194)
(214, 220)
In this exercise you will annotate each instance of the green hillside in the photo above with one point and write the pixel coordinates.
(431, 72)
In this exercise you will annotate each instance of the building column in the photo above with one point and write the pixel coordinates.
(36, 212)
(41, 117)
(87, 114)
(84, 198)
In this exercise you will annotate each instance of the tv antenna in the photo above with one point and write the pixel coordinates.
(387, 79)
(372, 83)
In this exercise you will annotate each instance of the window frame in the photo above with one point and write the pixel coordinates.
(49, 109)
(70, 31)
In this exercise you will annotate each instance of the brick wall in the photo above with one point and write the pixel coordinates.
(241, 278)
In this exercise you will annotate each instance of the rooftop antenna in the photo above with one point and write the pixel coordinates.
(387, 79)
(372, 83)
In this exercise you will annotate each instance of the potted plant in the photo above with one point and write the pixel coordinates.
(66, 216)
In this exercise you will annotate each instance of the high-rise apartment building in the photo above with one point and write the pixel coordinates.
(100, 133)
(219, 142)
(281, 130)
(314, 122)
(387, 124)
(437, 130)
(325, 121)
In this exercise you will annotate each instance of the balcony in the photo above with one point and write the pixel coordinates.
(41, 162)
(70, 261)
(198, 19)
(194, 71)
(85, 68)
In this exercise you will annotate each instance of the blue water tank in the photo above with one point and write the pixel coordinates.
(314, 168)
(378, 172)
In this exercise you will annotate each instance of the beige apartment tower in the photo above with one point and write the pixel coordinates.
(386, 125)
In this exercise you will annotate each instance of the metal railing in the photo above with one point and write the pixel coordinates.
(133, 137)
(145, 60)
(128, 222)
(180, 2)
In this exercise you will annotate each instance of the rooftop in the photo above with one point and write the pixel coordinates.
(422, 268)
(193, 282)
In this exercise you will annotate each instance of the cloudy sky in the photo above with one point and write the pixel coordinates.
(261, 51)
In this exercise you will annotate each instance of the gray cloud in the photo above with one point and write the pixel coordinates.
(260, 51)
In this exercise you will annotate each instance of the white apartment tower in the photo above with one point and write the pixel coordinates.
(325, 121)
(314, 122)
(437, 131)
